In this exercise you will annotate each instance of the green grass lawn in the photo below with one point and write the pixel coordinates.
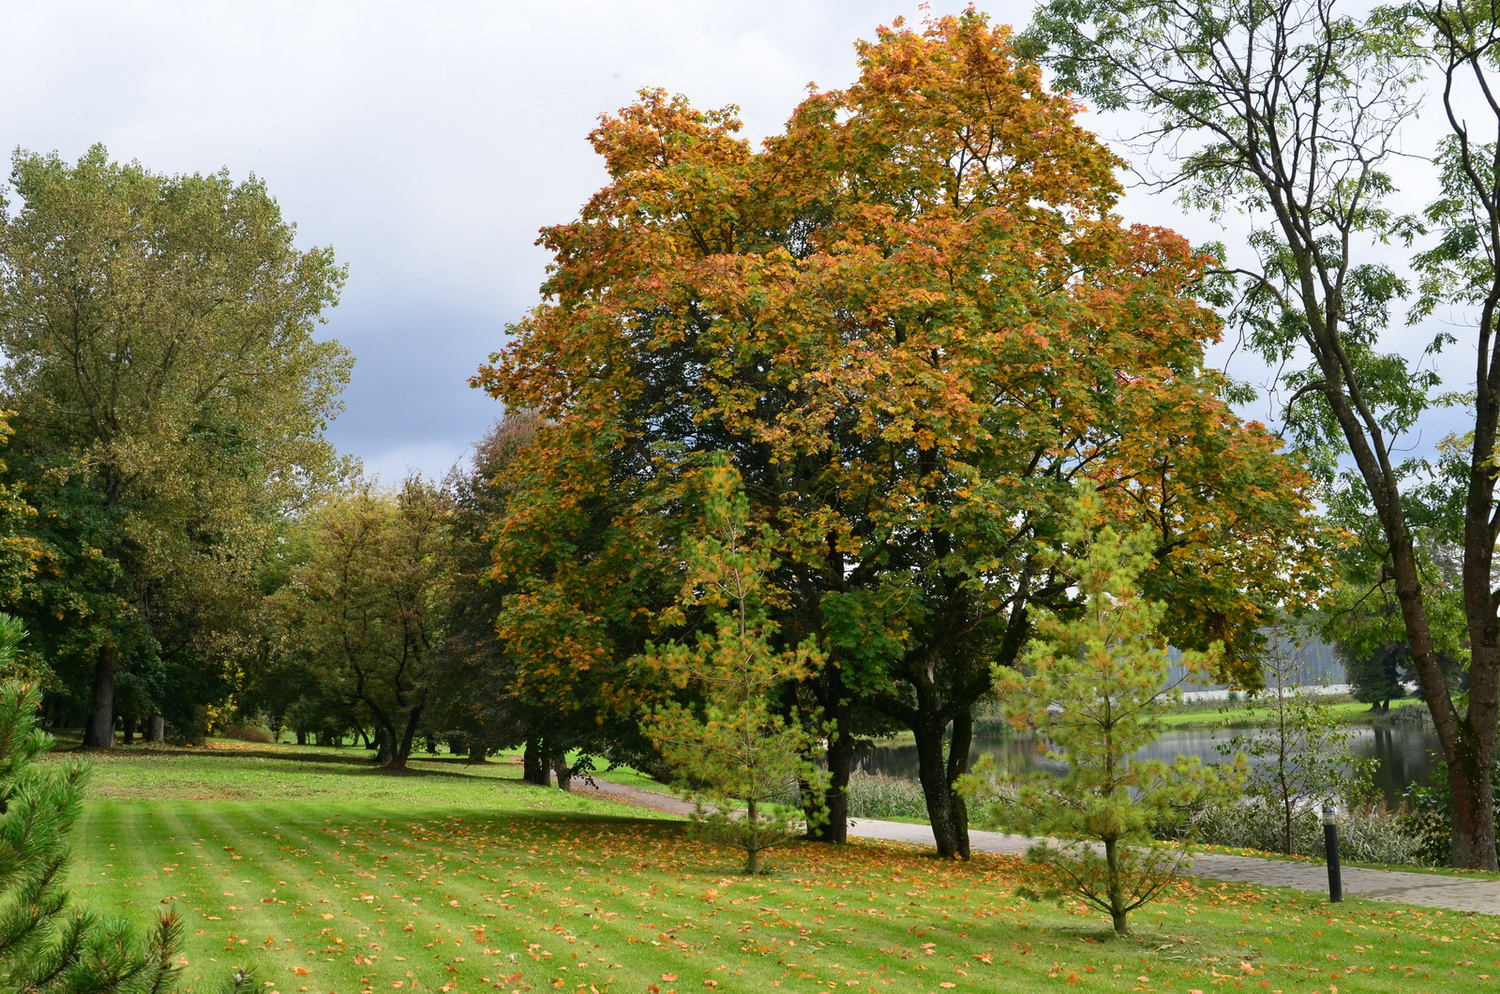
(1349, 712)
(326, 876)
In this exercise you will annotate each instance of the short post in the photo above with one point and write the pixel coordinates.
(1331, 845)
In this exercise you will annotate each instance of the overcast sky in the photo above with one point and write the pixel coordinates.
(425, 142)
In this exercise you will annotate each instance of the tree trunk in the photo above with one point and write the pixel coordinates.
(477, 751)
(564, 771)
(127, 720)
(158, 733)
(302, 736)
(959, 741)
(400, 750)
(836, 800)
(533, 765)
(752, 844)
(950, 829)
(99, 733)
(1116, 885)
(1473, 798)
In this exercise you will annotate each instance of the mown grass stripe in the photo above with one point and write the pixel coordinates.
(467, 883)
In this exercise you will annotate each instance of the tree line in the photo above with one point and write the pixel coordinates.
(888, 349)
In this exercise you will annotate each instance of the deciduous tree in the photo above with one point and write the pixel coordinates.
(1290, 114)
(367, 609)
(1301, 756)
(169, 398)
(912, 321)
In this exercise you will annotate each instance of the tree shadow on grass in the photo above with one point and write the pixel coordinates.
(360, 759)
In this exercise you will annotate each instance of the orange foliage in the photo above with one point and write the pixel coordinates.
(913, 321)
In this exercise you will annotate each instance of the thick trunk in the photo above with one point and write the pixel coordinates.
(158, 726)
(950, 830)
(302, 736)
(1473, 800)
(836, 801)
(127, 721)
(533, 763)
(958, 764)
(563, 770)
(477, 751)
(99, 733)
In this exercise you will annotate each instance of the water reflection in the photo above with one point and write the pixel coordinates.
(1403, 755)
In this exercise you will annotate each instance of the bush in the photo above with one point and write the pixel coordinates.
(247, 733)
(1431, 812)
(1373, 834)
(1406, 714)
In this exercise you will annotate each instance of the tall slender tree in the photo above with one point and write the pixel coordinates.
(1291, 113)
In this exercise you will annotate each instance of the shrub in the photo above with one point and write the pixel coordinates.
(1406, 714)
(247, 733)
(1431, 813)
(1373, 834)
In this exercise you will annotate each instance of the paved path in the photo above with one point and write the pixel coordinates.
(1426, 889)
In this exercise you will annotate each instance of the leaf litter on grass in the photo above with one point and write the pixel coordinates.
(426, 892)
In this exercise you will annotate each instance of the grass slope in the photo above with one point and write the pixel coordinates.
(323, 875)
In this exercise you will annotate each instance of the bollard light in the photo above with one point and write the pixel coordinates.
(1331, 845)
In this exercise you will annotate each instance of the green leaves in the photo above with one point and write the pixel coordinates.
(169, 401)
(366, 611)
(912, 322)
(736, 745)
(1094, 684)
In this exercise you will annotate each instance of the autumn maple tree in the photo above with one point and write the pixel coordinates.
(912, 321)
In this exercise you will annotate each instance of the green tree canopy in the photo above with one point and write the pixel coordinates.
(367, 609)
(1291, 114)
(170, 399)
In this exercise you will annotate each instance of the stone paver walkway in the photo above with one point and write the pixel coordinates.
(1424, 889)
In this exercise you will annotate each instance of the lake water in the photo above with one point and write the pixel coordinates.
(1403, 754)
